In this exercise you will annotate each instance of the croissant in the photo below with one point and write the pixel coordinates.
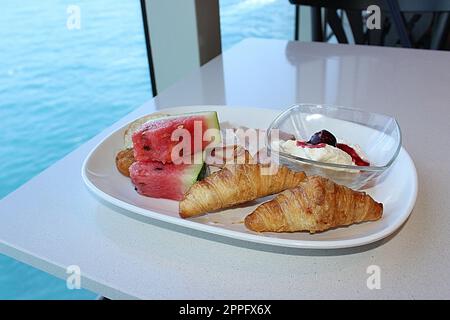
(317, 204)
(124, 159)
(236, 184)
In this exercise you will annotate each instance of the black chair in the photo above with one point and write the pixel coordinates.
(395, 13)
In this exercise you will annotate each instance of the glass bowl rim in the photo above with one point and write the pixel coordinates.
(293, 158)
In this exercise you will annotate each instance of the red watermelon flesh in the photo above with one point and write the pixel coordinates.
(168, 181)
(152, 142)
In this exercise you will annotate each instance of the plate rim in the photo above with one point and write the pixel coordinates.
(248, 237)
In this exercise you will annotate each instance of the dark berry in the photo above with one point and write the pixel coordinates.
(323, 136)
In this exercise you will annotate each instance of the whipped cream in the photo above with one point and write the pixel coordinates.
(324, 153)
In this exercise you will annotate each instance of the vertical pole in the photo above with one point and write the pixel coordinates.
(208, 29)
(399, 22)
(316, 23)
(149, 49)
(297, 22)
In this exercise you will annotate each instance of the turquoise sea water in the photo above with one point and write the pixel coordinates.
(60, 87)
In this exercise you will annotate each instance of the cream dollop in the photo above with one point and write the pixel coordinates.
(327, 153)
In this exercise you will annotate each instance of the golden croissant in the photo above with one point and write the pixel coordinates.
(236, 184)
(317, 204)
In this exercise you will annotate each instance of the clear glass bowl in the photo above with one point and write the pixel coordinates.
(378, 136)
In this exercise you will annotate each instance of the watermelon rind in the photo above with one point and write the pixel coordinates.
(191, 174)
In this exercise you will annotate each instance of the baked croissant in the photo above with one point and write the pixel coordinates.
(124, 159)
(317, 204)
(236, 184)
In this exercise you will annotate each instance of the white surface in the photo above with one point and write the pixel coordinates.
(53, 221)
(397, 191)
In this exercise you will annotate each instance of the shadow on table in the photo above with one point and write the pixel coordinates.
(247, 244)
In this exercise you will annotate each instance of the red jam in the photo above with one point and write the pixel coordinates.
(350, 151)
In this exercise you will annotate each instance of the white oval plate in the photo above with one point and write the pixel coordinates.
(397, 191)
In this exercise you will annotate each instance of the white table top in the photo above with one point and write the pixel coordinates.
(53, 221)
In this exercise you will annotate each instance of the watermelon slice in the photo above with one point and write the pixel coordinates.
(169, 181)
(153, 140)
